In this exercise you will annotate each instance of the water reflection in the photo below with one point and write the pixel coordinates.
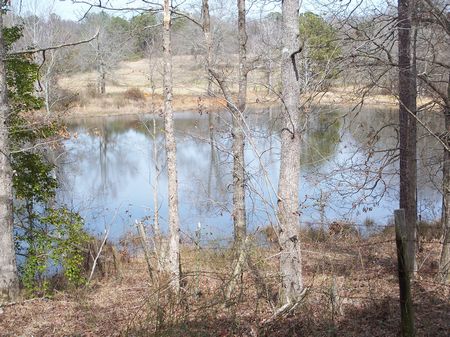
(348, 164)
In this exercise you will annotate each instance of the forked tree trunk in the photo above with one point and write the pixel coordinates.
(173, 255)
(444, 263)
(288, 202)
(407, 110)
(9, 285)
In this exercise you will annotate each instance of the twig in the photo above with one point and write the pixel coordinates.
(97, 257)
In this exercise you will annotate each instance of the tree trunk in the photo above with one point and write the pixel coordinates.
(444, 264)
(171, 153)
(404, 279)
(102, 80)
(208, 41)
(9, 285)
(407, 110)
(288, 214)
(101, 70)
(238, 116)
(239, 214)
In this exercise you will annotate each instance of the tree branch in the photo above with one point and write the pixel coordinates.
(63, 45)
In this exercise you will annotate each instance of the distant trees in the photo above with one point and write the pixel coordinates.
(108, 49)
(143, 28)
(320, 50)
(49, 30)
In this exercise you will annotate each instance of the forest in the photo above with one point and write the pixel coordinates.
(224, 168)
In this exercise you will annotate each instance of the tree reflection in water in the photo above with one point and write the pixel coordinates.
(348, 159)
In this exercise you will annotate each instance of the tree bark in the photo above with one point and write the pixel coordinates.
(208, 40)
(238, 148)
(444, 263)
(404, 280)
(408, 137)
(288, 199)
(101, 71)
(171, 155)
(9, 284)
(239, 213)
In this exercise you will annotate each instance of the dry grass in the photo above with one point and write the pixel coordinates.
(189, 87)
(352, 291)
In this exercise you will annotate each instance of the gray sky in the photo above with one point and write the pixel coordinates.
(64, 8)
(69, 11)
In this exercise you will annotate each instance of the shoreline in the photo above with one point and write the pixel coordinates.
(114, 105)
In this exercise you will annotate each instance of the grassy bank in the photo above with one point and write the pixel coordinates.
(190, 85)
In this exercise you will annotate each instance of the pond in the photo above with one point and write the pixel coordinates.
(111, 167)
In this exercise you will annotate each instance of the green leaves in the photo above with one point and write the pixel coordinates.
(50, 238)
(52, 242)
(33, 180)
(320, 43)
(141, 29)
(319, 36)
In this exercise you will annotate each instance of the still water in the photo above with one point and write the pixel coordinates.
(109, 170)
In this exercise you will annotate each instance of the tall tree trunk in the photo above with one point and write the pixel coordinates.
(407, 110)
(288, 202)
(171, 153)
(9, 285)
(239, 214)
(444, 263)
(238, 115)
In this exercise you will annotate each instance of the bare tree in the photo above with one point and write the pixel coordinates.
(237, 109)
(206, 27)
(288, 188)
(240, 228)
(9, 284)
(173, 255)
(408, 125)
(444, 263)
(108, 49)
(435, 78)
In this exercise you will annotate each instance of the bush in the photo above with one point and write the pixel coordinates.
(315, 234)
(342, 229)
(64, 99)
(91, 90)
(134, 94)
(429, 230)
(118, 102)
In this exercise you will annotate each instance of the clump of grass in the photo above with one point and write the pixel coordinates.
(429, 230)
(91, 90)
(134, 94)
(118, 101)
(314, 234)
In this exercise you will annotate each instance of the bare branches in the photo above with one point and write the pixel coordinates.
(44, 49)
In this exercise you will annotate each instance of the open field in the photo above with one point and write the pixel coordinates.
(190, 84)
(352, 290)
